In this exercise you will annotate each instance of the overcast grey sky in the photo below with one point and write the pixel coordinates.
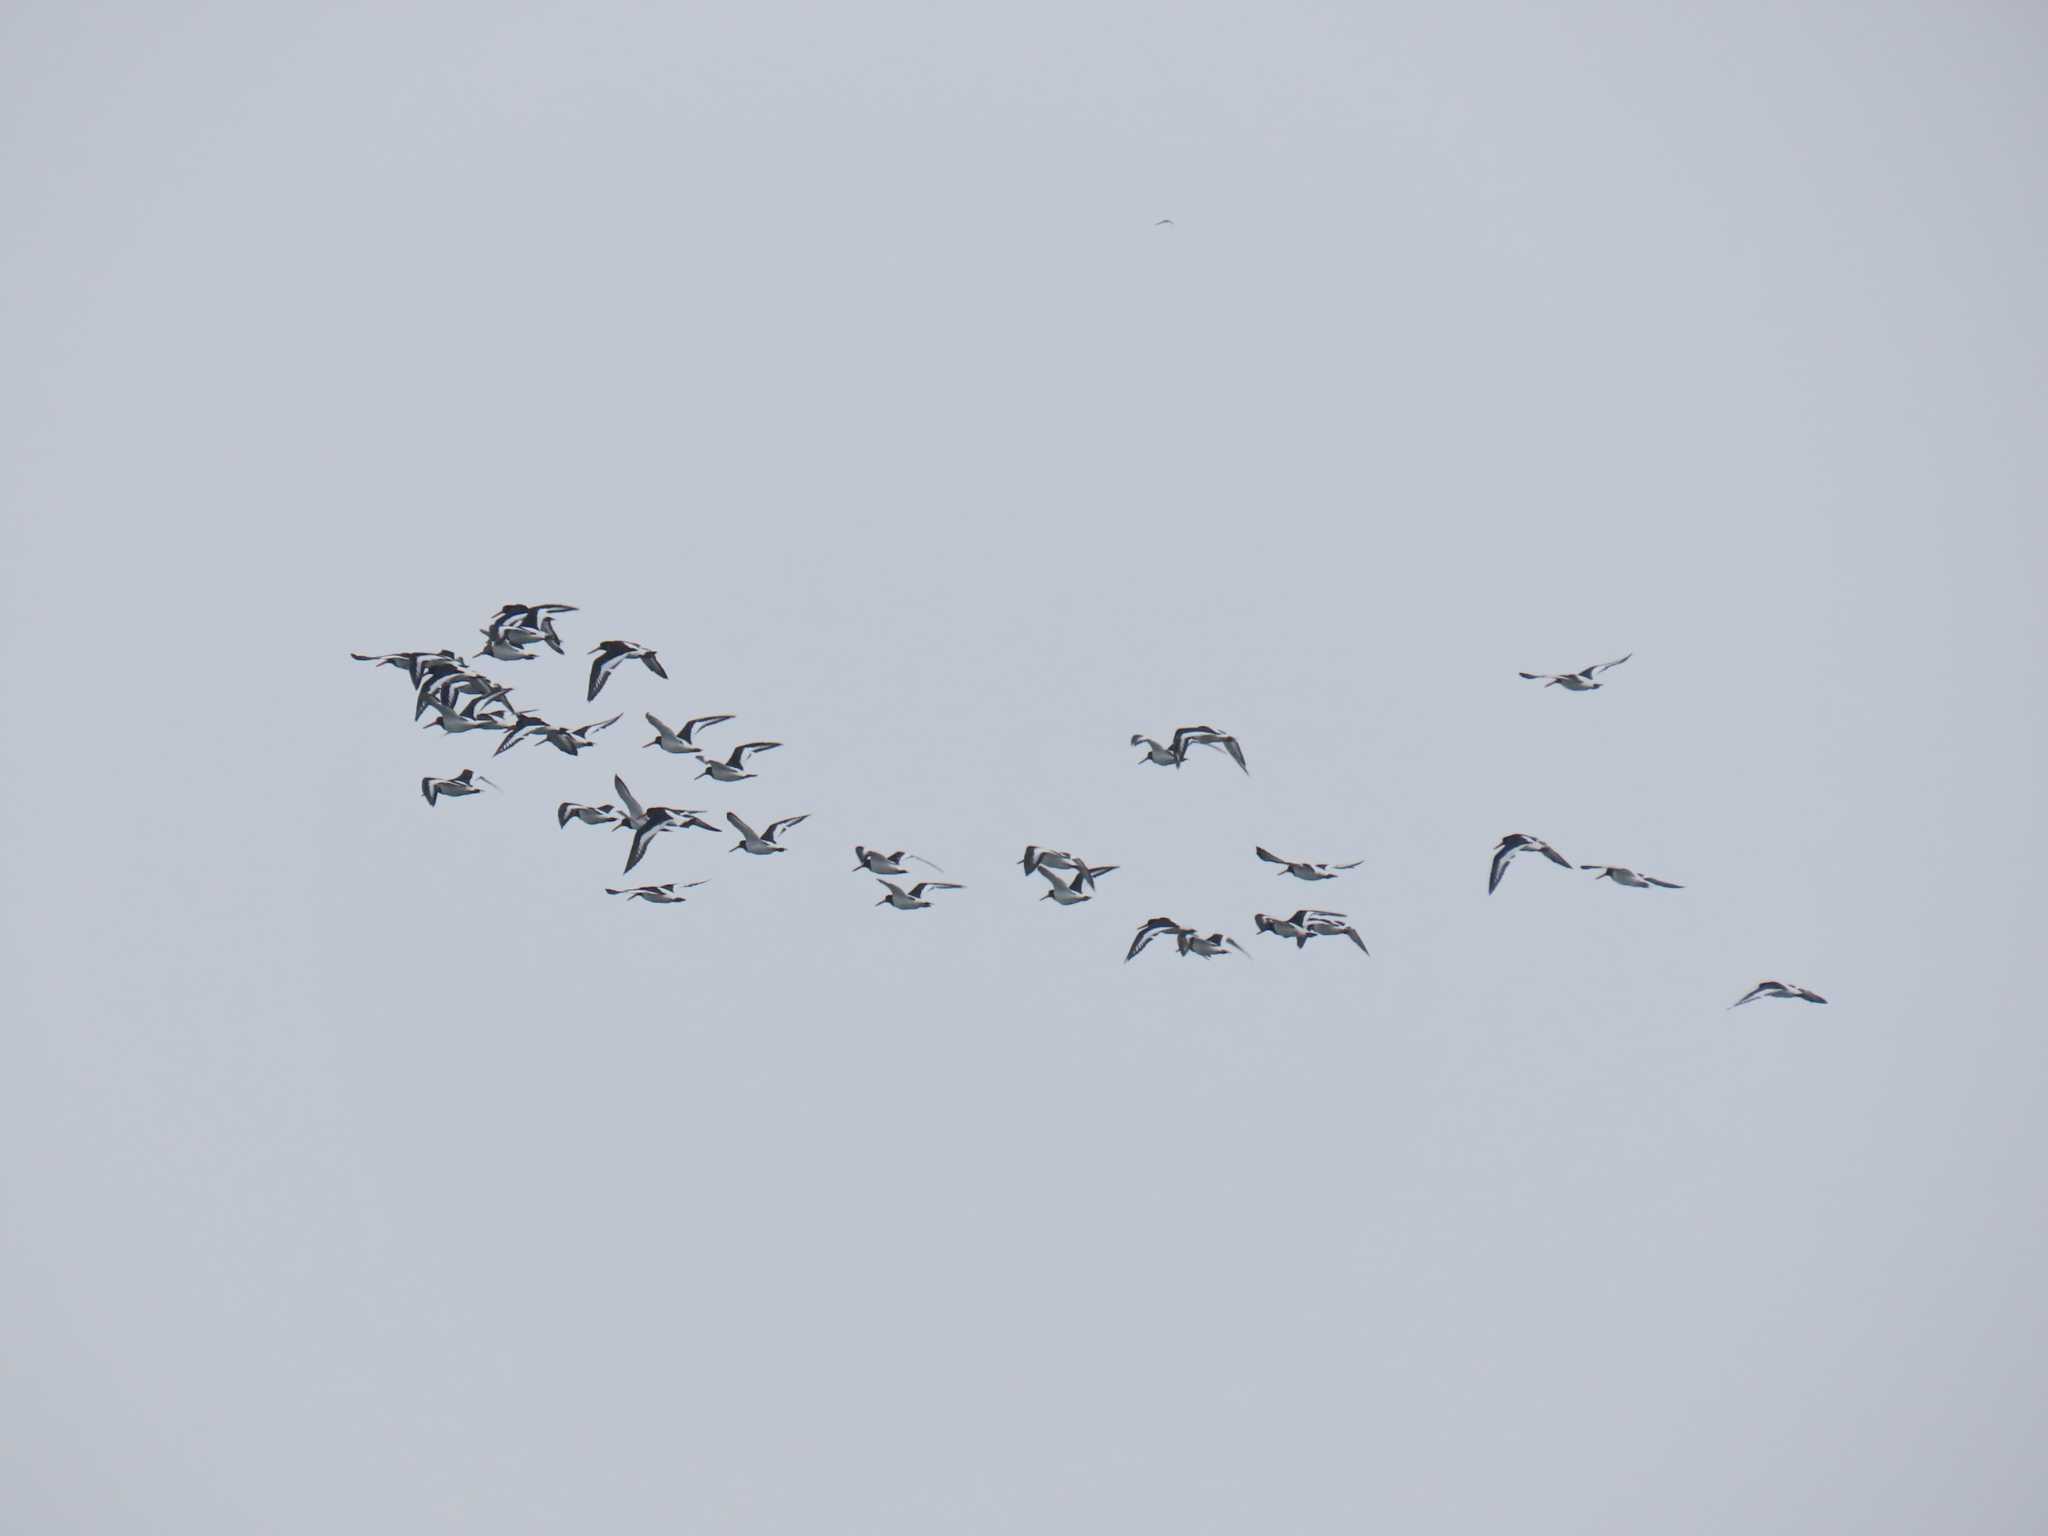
(365, 1168)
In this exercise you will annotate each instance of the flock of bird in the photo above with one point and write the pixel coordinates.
(462, 699)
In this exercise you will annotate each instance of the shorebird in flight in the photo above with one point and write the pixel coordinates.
(467, 782)
(522, 726)
(1176, 753)
(763, 841)
(1036, 857)
(1208, 946)
(469, 718)
(730, 771)
(684, 740)
(876, 862)
(1331, 925)
(1077, 887)
(912, 899)
(1577, 682)
(1295, 927)
(1776, 989)
(611, 653)
(1629, 877)
(574, 738)
(1514, 843)
(531, 619)
(659, 894)
(605, 815)
(1302, 869)
(1151, 929)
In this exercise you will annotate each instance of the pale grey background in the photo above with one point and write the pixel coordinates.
(366, 1169)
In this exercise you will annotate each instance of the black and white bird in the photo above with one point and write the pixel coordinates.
(1514, 843)
(611, 653)
(659, 894)
(647, 822)
(912, 899)
(1077, 887)
(1209, 945)
(1049, 858)
(1577, 682)
(575, 738)
(507, 645)
(1777, 989)
(1151, 929)
(1629, 877)
(684, 740)
(522, 727)
(1333, 925)
(1295, 927)
(1176, 753)
(470, 717)
(467, 782)
(876, 862)
(1302, 869)
(731, 770)
(605, 815)
(763, 841)
(535, 619)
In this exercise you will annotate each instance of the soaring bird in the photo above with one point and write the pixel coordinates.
(1302, 869)
(1577, 682)
(1175, 754)
(1514, 843)
(659, 894)
(684, 740)
(1330, 925)
(574, 738)
(611, 653)
(761, 842)
(1777, 989)
(1151, 929)
(467, 782)
(1295, 927)
(912, 899)
(1629, 877)
(730, 771)
(876, 862)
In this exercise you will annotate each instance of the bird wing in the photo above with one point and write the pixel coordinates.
(1271, 858)
(642, 836)
(1239, 948)
(1668, 885)
(1030, 859)
(934, 885)
(601, 725)
(562, 812)
(628, 799)
(600, 668)
(775, 828)
(1148, 932)
(739, 753)
(897, 890)
(1602, 666)
(655, 721)
(427, 789)
(1229, 744)
(1352, 865)
(1751, 995)
(1501, 856)
(1807, 996)
(921, 859)
(654, 664)
(742, 828)
(1553, 855)
(691, 725)
(1053, 876)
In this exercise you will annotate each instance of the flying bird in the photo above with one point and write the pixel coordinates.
(574, 738)
(1577, 682)
(611, 653)
(590, 815)
(533, 619)
(1330, 925)
(1077, 887)
(467, 782)
(761, 842)
(659, 894)
(1629, 877)
(683, 740)
(912, 899)
(1777, 989)
(1151, 929)
(657, 820)
(1176, 753)
(1514, 843)
(1295, 927)
(1208, 946)
(523, 726)
(876, 862)
(1050, 858)
(1302, 869)
(730, 771)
